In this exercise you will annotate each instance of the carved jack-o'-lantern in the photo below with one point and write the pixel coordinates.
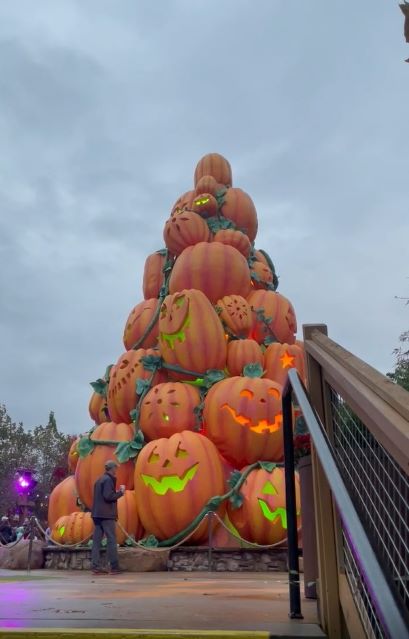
(122, 395)
(279, 358)
(98, 408)
(62, 500)
(184, 228)
(205, 204)
(169, 408)
(235, 313)
(73, 528)
(184, 202)
(262, 517)
(73, 455)
(174, 479)
(243, 417)
(190, 333)
(137, 322)
(277, 319)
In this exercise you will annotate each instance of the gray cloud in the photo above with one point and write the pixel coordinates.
(106, 109)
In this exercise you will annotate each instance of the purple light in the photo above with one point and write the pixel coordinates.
(23, 482)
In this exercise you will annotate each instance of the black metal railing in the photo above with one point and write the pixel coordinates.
(360, 561)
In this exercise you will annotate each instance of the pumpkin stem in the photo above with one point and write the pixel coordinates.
(253, 370)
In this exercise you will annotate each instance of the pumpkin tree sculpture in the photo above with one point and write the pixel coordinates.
(198, 389)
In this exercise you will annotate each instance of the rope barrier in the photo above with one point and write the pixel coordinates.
(244, 541)
(11, 545)
(56, 543)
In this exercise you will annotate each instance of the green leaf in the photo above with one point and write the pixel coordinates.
(130, 541)
(270, 339)
(107, 373)
(235, 477)
(142, 385)
(212, 376)
(100, 387)
(85, 446)
(149, 542)
(134, 414)
(219, 223)
(268, 466)
(255, 276)
(236, 500)
(151, 362)
(253, 370)
(123, 452)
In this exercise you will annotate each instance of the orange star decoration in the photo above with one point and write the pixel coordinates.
(287, 360)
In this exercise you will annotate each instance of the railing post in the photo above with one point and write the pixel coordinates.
(210, 540)
(328, 585)
(291, 507)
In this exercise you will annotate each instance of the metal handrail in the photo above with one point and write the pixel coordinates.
(384, 602)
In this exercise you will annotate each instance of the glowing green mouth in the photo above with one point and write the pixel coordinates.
(180, 336)
(170, 482)
(272, 515)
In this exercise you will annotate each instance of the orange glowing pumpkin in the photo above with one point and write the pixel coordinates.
(73, 529)
(184, 202)
(136, 324)
(238, 207)
(279, 358)
(215, 269)
(169, 408)
(153, 276)
(98, 408)
(241, 352)
(190, 333)
(235, 313)
(128, 518)
(279, 317)
(72, 459)
(62, 500)
(174, 479)
(215, 165)
(205, 204)
(184, 228)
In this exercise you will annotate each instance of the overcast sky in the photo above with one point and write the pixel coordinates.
(105, 109)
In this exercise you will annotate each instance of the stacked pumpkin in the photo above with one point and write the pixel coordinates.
(197, 392)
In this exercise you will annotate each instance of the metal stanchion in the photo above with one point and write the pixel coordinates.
(210, 540)
(30, 545)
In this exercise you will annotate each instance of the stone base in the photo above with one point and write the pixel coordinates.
(183, 558)
(15, 557)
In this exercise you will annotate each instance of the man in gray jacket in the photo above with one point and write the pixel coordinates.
(104, 514)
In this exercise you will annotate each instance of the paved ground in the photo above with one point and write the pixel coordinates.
(212, 601)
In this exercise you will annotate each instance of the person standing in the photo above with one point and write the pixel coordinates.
(104, 514)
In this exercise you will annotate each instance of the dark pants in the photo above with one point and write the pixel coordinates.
(106, 526)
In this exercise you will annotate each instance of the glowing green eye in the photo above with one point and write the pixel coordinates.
(179, 301)
(153, 457)
(181, 453)
(268, 489)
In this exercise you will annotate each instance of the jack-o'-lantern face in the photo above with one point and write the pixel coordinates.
(205, 204)
(169, 408)
(166, 479)
(257, 408)
(136, 324)
(271, 511)
(174, 319)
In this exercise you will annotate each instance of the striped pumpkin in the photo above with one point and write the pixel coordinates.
(238, 207)
(279, 358)
(91, 467)
(190, 333)
(262, 517)
(215, 269)
(122, 395)
(73, 529)
(128, 518)
(207, 184)
(174, 479)
(241, 352)
(184, 202)
(239, 240)
(243, 417)
(72, 459)
(169, 408)
(153, 276)
(235, 313)
(62, 500)
(283, 324)
(184, 228)
(98, 408)
(215, 165)
(137, 322)
(205, 204)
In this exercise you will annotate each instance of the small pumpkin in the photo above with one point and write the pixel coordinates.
(122, 392)
(243, 417)
(238, 207)
(205, 204)
(261, 275)
(239, 240)
(215, 165)
(136, 324)
(72, 459)
(153, 276)
(91, 467)
(279, 317)
(190, 333)
(241, 352)
(215, 269)
(62, 500)
(174, 479)
(262, 517)
(128, 518)
(184, 228)
(98, 408)
(207, 184)
(168, 408)
(235, 313)
(279, 358)
(184, 202)
(73, 529)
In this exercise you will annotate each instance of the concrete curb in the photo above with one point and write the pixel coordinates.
(109, 633)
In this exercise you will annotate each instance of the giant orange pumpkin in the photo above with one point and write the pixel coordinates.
(243, 417)
(215, 165)
(215, 268)
(184, 202)
(72, 459)
(73, 529)
(169, 408)
(184, 228)
(279, 358)
(241, 352)
(98, 408)
(128, 518)
(238, 207)
(278, 311)
(62, 500)
(190, 333)
(122, 393)
(174, 479)
(239, 240)
(262, 517)
(235, 313)
(153, 275)
(91, 467)
(207, 184)
(137, 322)
(205, 204)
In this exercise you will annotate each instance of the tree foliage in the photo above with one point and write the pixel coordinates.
(401, 373)
(43, 450)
